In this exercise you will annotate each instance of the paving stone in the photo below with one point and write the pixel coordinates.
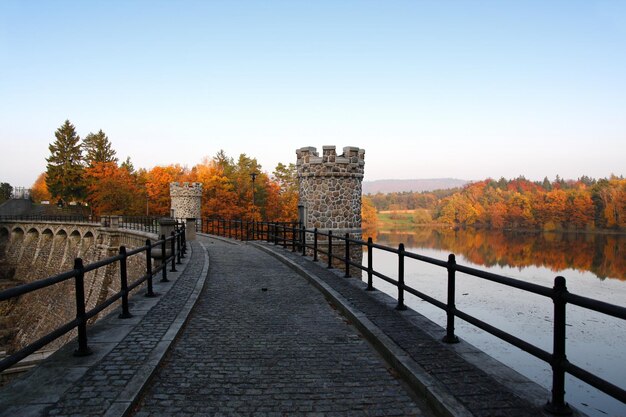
(279, 351)
(478, 391)
(112, 374)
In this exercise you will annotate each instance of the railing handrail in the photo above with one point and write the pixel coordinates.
(148, 224)
(287, 234)
(178, 247)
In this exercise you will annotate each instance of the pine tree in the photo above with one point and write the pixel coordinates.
(5, 191)
(98, 148)
(65, 169)
(128, 166)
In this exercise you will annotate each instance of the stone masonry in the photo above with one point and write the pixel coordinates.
(33, 250)
(330, 192)
(186, 200)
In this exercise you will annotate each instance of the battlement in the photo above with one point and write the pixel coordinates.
(186, 189)
(349, 164)
(186, 200)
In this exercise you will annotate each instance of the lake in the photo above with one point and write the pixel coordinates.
(594, 266)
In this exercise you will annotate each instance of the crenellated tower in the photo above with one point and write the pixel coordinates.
(186, 200)
(330, 190)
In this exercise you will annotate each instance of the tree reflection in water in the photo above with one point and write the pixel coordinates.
(604, 255)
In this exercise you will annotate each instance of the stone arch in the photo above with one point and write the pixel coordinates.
(57, 252)
(14, 244)
(17, 234)
(42, 254)
(86, 243)
(73, 246)
(4, 240)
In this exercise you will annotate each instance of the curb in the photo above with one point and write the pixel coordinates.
(434, 392)
(123, 405)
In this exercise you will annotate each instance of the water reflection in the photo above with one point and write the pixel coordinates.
(594, 341)
(601, 254)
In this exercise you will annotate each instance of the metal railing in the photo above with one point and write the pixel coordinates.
(248, 230)
(147, 224)
(314, 242)
(172, 249)
(51, 218)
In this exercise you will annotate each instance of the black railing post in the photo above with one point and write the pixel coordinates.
(79, 287)
(125, 314)
(401, 305)
(293, 238)
(347, 256)
(173, 250)
(163, 260)
(370, 269)
(178, 249)
(183, 243)
(557, 405)
(330, 249)
(315, 244)
(275, 227)
(248, 230)
(150, 292)
(303, 240)
(450, 337)
(284, 229)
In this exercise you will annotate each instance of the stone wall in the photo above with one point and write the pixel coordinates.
(330, 192)
(30, 251)
(186, 200)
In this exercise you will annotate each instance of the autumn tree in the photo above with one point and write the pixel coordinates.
(286, 199)
(218, 196)
(64, 174)
(39, 190)
(157, 186)
(369, 218)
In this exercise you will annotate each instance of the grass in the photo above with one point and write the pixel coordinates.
(403, 219)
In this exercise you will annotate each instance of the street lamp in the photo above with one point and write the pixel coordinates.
(253, 176)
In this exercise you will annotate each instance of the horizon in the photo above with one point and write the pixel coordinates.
(429, 89)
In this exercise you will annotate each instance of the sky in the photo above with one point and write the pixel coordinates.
(430, 89)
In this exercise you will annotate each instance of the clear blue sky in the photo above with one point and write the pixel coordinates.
(465, 89)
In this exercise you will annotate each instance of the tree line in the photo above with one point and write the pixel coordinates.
(583, 204)
(601, 253)
(89, 173)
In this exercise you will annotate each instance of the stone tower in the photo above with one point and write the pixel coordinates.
(330, 191)
(186, 200)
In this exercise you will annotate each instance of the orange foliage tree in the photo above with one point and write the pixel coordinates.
(112, 189)
(156, 184)
(39, 190)
(519, 203)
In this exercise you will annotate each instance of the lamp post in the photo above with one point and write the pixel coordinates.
(253, 176)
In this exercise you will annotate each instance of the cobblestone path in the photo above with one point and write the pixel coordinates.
(102, 384)
(261, 341)
(483, 395)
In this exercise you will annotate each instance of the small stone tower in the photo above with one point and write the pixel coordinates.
(186, 200)
(330, 191)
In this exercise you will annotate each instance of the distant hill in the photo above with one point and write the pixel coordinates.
(394, 186)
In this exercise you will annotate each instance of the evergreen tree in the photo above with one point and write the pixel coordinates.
(128, 166)
(65, 170)
(98, 149)
(5, 191)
